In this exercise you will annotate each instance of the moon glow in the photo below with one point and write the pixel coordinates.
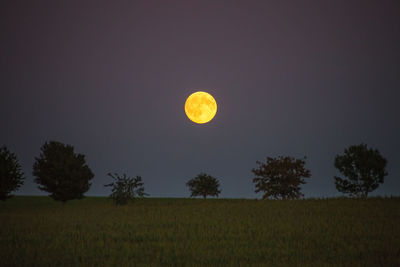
(200, 107)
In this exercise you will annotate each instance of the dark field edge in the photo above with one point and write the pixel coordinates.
(41, 197)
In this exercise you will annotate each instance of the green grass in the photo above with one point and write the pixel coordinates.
(36, 231)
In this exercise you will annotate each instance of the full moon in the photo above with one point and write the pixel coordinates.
(200, 107)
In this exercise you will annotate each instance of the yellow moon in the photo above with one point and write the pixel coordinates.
(200, 107)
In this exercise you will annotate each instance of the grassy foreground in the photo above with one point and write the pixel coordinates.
(36, 231)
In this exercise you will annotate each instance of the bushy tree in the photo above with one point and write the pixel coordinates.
(204, 185)
(125, 188)
(281, 177)
(62, 172)
(11, 176)
(364, 168)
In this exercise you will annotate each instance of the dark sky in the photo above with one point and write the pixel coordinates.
(297, 78)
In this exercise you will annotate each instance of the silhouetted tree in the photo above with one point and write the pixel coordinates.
(125, 188)
(61, 172)
(364, 168)
(281, 177)
(204, 185)
(11, 176)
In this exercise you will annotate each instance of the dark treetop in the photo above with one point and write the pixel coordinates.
(62, 172)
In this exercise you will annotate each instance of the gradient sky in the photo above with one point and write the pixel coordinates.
(296, 78)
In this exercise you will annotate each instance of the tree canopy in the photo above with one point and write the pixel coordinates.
(281, 177)
(62, 172)
(364, 169)
(125, 188)
(204, 185)
(11, 176)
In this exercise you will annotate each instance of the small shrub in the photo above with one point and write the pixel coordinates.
(125, 189)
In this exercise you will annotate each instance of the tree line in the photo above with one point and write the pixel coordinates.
(65, 175)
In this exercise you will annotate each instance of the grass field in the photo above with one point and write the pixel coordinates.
(36, 231)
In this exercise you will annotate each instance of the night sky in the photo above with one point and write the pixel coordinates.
(295, 78)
